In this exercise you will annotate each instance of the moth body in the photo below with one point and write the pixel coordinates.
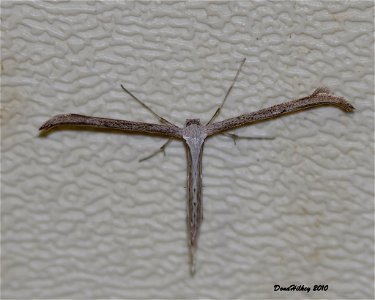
(194, 135)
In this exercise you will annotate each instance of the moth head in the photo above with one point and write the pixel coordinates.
(192, 122)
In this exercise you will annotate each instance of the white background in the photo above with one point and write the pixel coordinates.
(82, 218)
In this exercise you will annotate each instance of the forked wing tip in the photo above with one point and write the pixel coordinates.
(45, 126)
(326, 91)
(52, 122)
(322, 90)
(349, 107)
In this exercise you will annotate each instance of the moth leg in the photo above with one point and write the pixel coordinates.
(161, 149)
(236, 137)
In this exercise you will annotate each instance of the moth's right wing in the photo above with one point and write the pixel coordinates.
(321, 96)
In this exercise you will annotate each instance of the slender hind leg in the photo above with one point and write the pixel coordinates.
(161, 149)
(236, 137)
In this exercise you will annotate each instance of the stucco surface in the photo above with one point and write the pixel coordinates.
(82, 218)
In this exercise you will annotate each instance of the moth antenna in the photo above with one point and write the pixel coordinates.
(217, 112)
(161, 119)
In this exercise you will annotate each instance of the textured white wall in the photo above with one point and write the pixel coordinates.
(81, 218)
